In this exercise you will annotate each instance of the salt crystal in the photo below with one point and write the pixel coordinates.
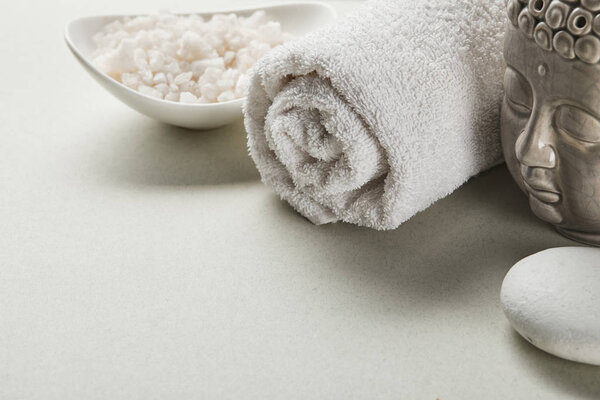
(163, 88)
(172, 96)
(270, 32)
(131, 79)
(192, 47)
(243, 60)
(157, 60)
(183, 77)
(230, 74)
(209, 91)
(184, 58)
(140, 58)
(150, 91)
(159, 78)
(236, 41)
(242, 85)
(143, 40)
(256, 19)
(172, 68)
(226, 96)
(189, 86)
(228, 57)
(212, 74)
(225, 84)
(257, 49)
(146, 76)
(113, 27)
(200, 66)
(187, 97)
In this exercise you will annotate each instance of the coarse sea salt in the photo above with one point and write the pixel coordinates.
(185, 58)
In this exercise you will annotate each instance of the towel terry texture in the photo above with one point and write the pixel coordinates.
(374, 118)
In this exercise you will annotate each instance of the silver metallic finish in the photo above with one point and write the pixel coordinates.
(551, 125)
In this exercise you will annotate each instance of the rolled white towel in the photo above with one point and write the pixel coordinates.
(373, 119)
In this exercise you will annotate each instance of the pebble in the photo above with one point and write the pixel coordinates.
(552, 299)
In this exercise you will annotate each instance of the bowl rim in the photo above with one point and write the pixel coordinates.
(83, 59)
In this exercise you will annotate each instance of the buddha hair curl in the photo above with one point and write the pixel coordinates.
(569, 27)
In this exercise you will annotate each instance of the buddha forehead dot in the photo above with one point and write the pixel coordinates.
(542, 69)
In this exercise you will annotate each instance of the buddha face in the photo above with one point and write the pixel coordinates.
(551, 135)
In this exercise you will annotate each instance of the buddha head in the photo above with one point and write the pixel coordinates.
(551, 111)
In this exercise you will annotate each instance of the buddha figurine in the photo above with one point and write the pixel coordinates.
(551, 111)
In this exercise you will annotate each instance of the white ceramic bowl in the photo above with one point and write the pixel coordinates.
(296, 18)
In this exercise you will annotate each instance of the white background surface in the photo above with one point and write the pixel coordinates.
(141, 261)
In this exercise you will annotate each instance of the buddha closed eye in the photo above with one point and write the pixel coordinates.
(578, 124)
(569, 119)
(518, 92)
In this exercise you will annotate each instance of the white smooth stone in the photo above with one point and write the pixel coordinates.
(552, 299)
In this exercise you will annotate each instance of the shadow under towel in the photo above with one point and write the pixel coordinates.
(374, 118)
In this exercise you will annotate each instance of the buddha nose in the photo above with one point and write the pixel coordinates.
(534, 146)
